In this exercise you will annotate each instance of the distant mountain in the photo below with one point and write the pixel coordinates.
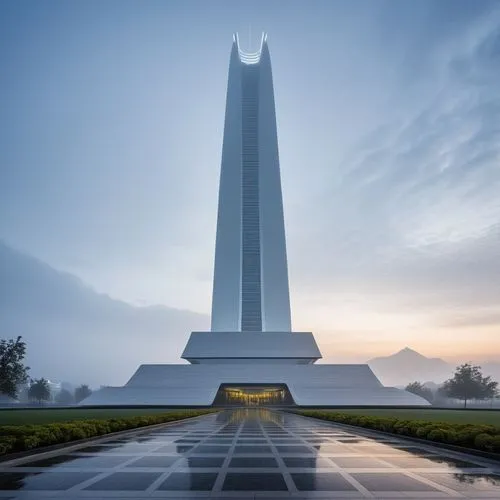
(76, 334)
(432, 385)
(408, 366)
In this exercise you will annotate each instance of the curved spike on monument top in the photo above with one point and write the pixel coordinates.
(247, 56)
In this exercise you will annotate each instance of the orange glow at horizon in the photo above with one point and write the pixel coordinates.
(352, 332)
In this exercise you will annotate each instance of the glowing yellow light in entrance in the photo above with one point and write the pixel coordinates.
(254, 398)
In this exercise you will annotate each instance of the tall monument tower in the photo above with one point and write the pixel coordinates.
(251, 300)
(251, 354)
(250, 290)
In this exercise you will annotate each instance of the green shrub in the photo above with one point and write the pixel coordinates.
(495, 444)
(452, 437)
(6, 444)
(421, 432)
(437, 435)
(484, 441)
(481, 437)
(27, 437)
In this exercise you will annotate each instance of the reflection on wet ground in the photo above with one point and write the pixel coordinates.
(251, 453)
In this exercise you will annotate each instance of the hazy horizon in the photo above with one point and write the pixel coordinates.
(389, 140)
(336, 347)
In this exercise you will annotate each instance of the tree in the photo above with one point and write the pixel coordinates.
(82, 392)
(13, 373)
(65, 397)
(469, 383)
(39, 390)
(420, 390)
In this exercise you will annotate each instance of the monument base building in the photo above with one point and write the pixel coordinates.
(251, 385)
(251, 357)
(261, 369)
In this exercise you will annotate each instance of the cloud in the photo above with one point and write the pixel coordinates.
(110, 150)
(413, 218)
(486, 317)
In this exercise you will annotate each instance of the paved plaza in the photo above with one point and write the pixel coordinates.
(251, 453)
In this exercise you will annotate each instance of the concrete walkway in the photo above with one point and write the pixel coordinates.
(252, 453)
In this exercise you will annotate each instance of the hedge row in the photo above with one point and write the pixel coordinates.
(478, 437)
(14, 438)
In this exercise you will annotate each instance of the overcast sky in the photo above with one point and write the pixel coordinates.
(389, 132)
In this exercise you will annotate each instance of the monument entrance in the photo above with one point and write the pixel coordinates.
(253, 395)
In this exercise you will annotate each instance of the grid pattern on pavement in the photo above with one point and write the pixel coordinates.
(252, 453)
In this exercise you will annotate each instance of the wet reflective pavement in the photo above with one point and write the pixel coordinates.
(251, 453)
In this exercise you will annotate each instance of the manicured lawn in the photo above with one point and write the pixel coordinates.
(50, 415)
(453, 416)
